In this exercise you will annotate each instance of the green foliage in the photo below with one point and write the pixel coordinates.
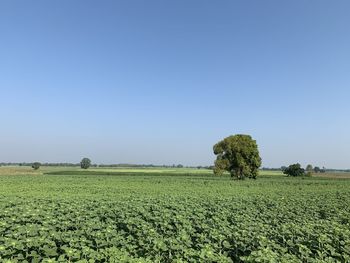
(319, 170)
(85, 163)
(238, 155)
(36, 165)
(166, 218)
(309, 168)
(294, 170)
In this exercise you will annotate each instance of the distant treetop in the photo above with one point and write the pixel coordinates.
(85, 163)
(36, 165)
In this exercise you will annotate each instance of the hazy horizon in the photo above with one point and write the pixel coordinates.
(161, 82)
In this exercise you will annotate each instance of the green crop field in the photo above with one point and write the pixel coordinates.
(170, 215)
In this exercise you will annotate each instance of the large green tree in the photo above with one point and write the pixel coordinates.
(238, 155)
(85, 163)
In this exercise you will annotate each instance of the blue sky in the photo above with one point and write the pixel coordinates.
(162, 81)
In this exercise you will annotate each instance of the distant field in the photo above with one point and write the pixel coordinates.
(25, 170)
(170, 215)
(335, 175)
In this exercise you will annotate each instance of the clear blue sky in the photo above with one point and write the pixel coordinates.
(162, 81)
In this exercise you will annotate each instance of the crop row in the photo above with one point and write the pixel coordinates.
(309, 228)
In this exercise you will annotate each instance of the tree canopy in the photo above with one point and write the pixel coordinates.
(309, 168)
(36, 165)
(85, 163)
(294, 170)
(238, 155)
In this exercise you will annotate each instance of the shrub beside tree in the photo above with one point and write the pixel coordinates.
(294, 170)
(238, 155)
(309, 169)
(319, 170)
(36, 165)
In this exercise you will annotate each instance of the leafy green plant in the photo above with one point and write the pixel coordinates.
(165, 218)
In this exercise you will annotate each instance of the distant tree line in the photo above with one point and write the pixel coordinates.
(43, 164)
(297, 170)
(106, 165)
(315, 169)
(270, 169)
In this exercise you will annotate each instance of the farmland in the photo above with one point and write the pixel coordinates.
(170, 215)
